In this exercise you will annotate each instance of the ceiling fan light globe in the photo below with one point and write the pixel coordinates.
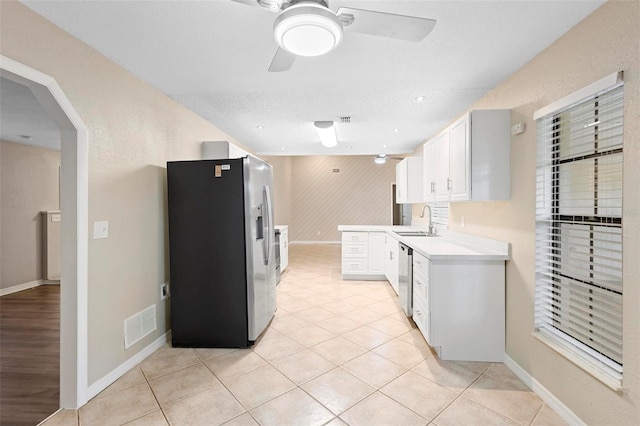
(307, 30)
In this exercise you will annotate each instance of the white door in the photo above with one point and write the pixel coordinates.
(460, 159)
(442, 166)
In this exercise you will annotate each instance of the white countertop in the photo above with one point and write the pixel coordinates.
(448, 246)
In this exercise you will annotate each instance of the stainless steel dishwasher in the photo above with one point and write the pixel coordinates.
(405, 282)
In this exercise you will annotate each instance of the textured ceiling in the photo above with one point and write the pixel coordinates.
(212, 56)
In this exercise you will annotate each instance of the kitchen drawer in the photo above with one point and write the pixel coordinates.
(354, 266)
(421, 288)
(421, 264)
(355, 236)
(422, 318)
(355, 249)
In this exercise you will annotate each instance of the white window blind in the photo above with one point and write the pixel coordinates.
(578, 301)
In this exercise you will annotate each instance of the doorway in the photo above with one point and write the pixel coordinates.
(74, 234)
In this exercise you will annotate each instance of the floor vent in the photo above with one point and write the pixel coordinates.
(139, 325)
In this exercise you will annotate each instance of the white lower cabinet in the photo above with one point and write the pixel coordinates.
(363, 255)
(459, 307)
(391, 266)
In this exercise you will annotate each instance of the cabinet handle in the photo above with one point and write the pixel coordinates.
(449, 184)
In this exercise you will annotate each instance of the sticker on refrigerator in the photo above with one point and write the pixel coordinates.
(226, 167)
(218, 171)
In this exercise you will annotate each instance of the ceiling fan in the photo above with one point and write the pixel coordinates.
(310, 28)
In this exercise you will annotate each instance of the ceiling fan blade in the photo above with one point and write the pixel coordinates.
(408, 28)
(282, 61)
(272, 5)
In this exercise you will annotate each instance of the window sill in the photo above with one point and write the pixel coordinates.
(597, 371)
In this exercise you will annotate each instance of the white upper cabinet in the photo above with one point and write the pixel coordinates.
(442, 166)
(470, 159)
(409, 181)
(429, 171)
(460, 159)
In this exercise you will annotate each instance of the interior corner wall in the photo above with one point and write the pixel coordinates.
(338, 190)
(282, 183)
(134, 130)
(605, 42)
(29, 185)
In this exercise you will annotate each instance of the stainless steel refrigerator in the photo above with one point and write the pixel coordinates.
(221, 251)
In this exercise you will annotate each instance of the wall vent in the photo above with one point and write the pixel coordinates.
(345, 119)
(139, 325)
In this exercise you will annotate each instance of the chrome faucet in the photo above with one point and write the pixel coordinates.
(431, 229)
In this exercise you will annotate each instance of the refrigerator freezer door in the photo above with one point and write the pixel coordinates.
(261, 269)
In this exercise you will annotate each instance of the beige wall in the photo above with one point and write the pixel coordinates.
(282, 184)
(605, 42)
(360, 194)
(28, 186)
(133, 130)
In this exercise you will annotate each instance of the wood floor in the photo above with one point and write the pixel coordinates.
(29, 355)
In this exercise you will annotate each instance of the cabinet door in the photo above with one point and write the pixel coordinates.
(401, 181)
(429, 171)
(460, 159)
(376, 253)
(442, 166)
(414, 180)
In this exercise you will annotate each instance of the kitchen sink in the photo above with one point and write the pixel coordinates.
(415, 234)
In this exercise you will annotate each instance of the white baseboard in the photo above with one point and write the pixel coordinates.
(119, 371)
(550, 399)
(51, 282)
(20, 287)
(315, 242)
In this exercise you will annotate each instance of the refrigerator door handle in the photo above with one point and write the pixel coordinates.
(266, 248)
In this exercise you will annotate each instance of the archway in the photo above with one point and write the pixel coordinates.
(74, 241)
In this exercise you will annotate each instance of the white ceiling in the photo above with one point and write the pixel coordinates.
(212, 56)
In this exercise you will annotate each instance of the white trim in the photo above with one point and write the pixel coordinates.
(550, 399)
(315, 242)
(103, 383)
(74, 198)
(50, 282)
(20, 287)
(590, 361)
(579, 95)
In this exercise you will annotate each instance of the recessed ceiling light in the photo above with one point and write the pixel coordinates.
(282, 148)
(259, 127)
(396, 130)
(384, 146)
(26, 137)
(420, 99)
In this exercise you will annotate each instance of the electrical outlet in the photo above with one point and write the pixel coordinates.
(164, 291)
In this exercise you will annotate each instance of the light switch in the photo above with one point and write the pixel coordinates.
(100, 230)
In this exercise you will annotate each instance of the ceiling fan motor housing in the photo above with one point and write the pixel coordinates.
(307, 29)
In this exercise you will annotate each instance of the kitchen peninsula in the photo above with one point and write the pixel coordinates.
(457, 290)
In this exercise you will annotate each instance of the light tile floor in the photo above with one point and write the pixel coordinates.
(337, 352)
